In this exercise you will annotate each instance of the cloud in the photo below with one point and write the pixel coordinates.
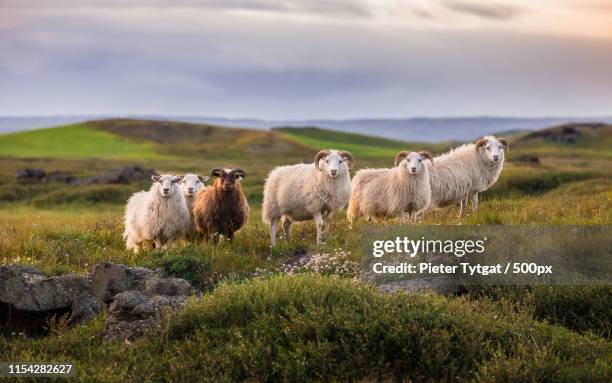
(488, 10)
(337, 8)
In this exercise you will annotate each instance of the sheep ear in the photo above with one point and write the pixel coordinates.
(348, 157)
(481, 142)
(240, 173)
(425, 154)
(504, 142)
(401, 156)
(216, 172)
(203, 179)
(155, 178)
(321, 154)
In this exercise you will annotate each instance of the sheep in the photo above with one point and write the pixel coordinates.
(221, 209)
(386, 193)
(159, 215)
(465, 171)
(191, 184)
(308, 191)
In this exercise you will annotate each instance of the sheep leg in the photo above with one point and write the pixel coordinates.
(474, 202)
(319, 224)
(327, 224)
(287, 228)
(157, 243)
(412, 217)
(273, 227)
(463, 208)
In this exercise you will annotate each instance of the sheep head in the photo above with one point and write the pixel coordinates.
(168, 184)
(334, 162)
(413, 162)
(493, 148)
(192, 183)
(228, 179)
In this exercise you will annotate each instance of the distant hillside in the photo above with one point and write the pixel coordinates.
(591, 135)
(404, 129)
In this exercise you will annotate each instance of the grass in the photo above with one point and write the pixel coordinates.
(72, 141)
(311, 327)
(257, 325)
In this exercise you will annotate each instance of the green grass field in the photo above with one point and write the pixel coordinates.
(255, 323)
(73, 141)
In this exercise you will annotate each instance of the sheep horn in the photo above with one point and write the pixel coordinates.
(481, 142)
(216, 172)
(321, 154)
(155, 178)
(239, 172)
(400, 155)
(504, 142)
(425, 154)
(347, 156)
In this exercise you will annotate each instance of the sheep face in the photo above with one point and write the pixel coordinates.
(168, 184)
(228, 179)
(191, 184)
(413, 162)
(334, 163)
(491, 148)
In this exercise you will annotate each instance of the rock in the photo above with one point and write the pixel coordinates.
(134, 313)
(30, 175)
(124, 175)
(27, 290)
(57, 176)
(527, 158)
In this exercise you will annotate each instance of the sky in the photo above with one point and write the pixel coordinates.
(290, 59)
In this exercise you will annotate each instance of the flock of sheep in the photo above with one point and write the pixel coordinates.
(182, 207)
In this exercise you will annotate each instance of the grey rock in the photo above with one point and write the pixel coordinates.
(135, 294)
(133, 313)
(30, 174)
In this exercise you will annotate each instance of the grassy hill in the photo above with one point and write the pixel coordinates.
(73, 141)
(261, 325)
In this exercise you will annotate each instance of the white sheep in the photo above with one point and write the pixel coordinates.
(191, 184)
(159, 215)
(465, 171)
(387, 193)
(308, 191)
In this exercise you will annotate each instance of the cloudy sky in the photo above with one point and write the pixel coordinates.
(306, 59)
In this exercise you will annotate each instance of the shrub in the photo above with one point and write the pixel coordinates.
(579, 308)
(188, 263)
(318, 328)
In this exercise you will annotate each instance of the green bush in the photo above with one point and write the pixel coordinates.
(317, 328)
(579, 308)
(188, 263)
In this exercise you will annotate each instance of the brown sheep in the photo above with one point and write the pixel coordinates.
(221, 209)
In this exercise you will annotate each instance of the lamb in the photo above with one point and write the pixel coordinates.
(221, 209)
(464, 172)
(159, 215)
(190, 186)
(386, 193)
(308, 191)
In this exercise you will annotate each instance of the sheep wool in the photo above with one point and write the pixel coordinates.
(159, 215)
(308, 191)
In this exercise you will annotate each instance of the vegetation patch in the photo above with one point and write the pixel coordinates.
(72, 141)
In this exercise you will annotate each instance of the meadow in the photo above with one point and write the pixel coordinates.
(255, 322)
